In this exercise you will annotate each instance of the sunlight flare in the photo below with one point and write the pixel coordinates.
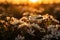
(33, 1)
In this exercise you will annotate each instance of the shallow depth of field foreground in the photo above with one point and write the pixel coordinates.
(29, 21)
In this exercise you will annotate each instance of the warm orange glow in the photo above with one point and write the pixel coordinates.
(16, 1)
(33, 1)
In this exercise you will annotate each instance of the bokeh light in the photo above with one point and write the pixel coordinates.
(33, 1)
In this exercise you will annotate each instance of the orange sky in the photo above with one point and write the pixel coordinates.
(22, 1)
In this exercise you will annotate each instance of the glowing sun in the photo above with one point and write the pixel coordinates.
(33, 1)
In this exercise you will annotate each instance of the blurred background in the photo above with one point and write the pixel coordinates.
(29, 19)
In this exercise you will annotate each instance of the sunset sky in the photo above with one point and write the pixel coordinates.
(25, 1)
